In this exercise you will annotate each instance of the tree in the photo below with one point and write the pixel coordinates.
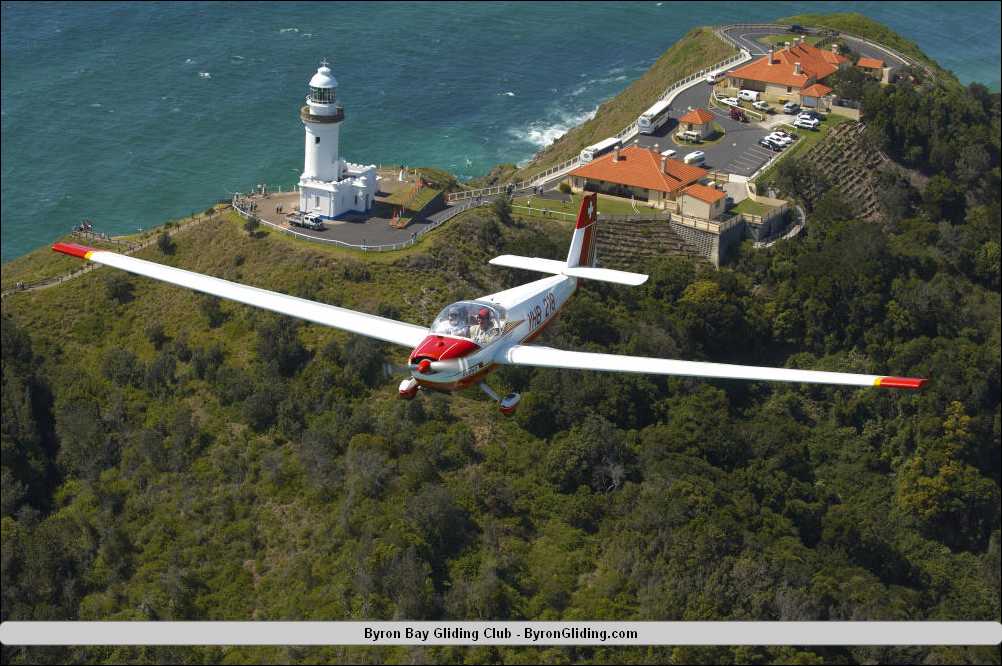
(251, 226)
(502, 209)
(118, 286)
(212, 309)
(166, 244)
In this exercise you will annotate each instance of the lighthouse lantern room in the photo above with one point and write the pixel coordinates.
(329, 185)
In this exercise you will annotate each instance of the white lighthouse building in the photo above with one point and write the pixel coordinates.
(329, 185)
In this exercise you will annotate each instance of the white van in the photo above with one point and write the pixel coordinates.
(748, 95)
(312, 221)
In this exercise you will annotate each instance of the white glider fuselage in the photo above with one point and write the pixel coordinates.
(527, 309)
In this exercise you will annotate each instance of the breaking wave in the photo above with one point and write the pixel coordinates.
(544, 132)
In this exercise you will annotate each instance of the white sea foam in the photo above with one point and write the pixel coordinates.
(307, 34)
(205, 75)
(507, 93)
(189, 61)
(289, 30)
(544, 132)
(96, 105)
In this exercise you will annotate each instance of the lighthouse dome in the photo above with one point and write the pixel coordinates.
(324, 78)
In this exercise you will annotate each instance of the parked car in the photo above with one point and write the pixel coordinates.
(798, 29)
(695, 157)
(762, 105)
(791, 107)
(669, 153)
(766, 142)
(738, 114)
(778, 138)
(789, 135)
(748, 95)
(712, 78)
(811, 115)
(731, 101)
(806, 124)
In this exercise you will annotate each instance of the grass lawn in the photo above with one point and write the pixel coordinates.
(787, 37)
(808, 139)
(606, 204)
(751, 208)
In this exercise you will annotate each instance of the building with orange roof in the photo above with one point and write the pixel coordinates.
(874, 67)
(697, 120)
(703, 202)
(816, 96)
(783, 74)
(637, 173)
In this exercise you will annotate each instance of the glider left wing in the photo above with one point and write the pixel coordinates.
(381, 328)
(548, 357)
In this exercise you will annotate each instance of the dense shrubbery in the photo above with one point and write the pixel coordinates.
(262, 469)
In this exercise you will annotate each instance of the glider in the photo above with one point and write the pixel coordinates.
(470, 339)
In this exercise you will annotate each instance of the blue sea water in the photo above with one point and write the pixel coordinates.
(130, 114)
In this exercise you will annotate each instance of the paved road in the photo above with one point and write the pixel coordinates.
(747, 38)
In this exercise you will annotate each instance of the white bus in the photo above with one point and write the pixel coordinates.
(603, 146)
(653, 117)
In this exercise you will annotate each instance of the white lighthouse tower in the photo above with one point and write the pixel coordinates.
(329, 185)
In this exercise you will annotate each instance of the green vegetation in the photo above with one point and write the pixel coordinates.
(168, 456)
(698, 49)
(808, 139)
(608, 205)
(786, 37)
(751, 207)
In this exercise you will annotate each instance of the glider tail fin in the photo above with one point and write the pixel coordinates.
(582, 251)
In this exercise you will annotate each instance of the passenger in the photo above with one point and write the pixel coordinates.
(457, 324)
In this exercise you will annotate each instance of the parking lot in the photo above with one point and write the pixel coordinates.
(738, 152)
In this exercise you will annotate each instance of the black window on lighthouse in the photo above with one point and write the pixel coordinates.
(322, 95)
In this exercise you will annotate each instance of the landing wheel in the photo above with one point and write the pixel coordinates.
(408, 388)
(508, 403)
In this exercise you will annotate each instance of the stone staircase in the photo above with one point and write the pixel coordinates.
(631, 245)
(851, 165)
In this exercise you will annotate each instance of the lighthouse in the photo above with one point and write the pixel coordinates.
(330, 186)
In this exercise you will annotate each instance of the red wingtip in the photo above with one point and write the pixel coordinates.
(902, 382)
(588, 212)
(74, 250)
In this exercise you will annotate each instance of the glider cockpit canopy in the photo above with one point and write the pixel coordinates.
(479, 322)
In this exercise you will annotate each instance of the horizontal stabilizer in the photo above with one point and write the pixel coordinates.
(560, 268)
(606, 275)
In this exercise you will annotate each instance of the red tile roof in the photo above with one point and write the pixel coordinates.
(641, 167)
(703, 193)
(815, 64)
(816, 90)
(697, 117)
(870, 63)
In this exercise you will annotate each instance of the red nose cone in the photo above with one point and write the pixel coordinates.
(424, 366)
(442, 348)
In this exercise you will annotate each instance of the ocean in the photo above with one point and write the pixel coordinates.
(130, 114)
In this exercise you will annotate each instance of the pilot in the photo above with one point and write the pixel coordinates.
(484, 328)
(457, 325)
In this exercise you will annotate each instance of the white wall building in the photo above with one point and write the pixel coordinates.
(329, 185)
